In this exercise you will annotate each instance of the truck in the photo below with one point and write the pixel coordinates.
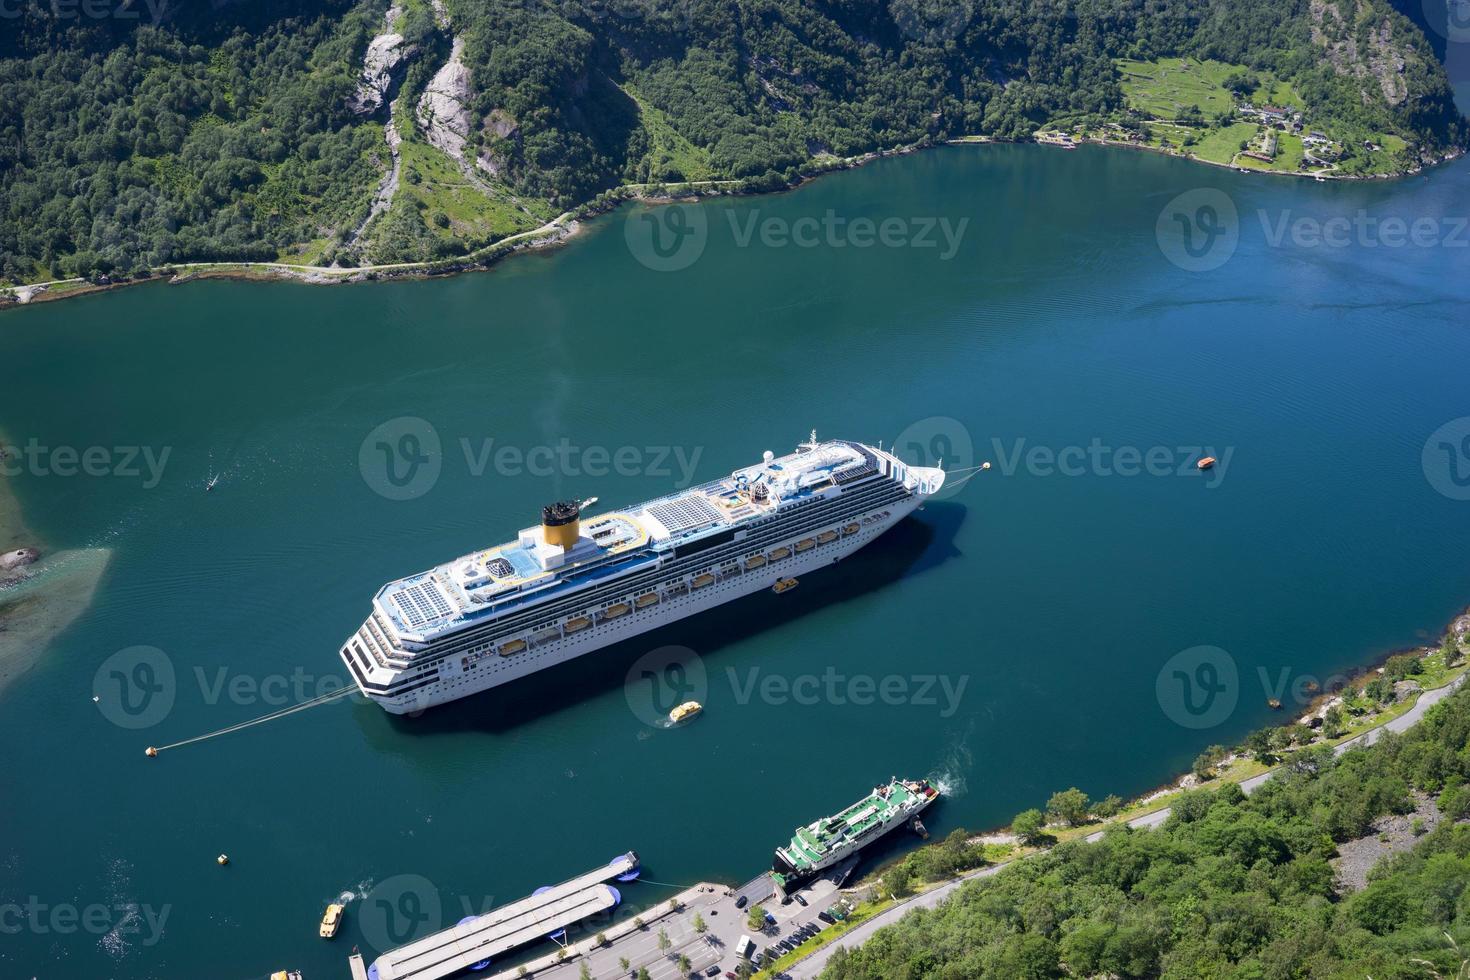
(744, 947)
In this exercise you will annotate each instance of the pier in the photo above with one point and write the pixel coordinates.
(500, 930)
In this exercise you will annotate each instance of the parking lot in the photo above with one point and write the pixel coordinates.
(716, 946)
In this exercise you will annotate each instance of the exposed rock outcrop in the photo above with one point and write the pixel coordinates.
(1381, 64)
(380, 67)
(498, 129)
(19, 558)
(443, 110)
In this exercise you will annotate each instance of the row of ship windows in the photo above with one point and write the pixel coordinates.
(551, 631)
(668, 590)
(867, 498)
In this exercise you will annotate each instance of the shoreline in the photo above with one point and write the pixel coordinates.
(809, 965)
(567, 226)
(40, 599)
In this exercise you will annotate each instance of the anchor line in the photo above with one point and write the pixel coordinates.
(272, 716)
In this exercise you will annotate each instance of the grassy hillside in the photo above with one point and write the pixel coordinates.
(236, 131)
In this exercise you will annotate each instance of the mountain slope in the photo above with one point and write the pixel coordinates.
(267, 129)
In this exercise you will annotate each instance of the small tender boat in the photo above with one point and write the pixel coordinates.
(1206, 463)
(615, 610)
(685, 711)
(286, 975)
(826, 537)
(806, 544)
(851, 528)
(755, 561)
(331, 921)
(780, 553)
(577, 623)
(514, 646)
(647, 599)
(785, 585)
(700, 581)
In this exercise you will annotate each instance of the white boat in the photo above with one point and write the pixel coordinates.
(575, 584)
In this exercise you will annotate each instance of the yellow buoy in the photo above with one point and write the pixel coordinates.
(223, 859)
(151, 752)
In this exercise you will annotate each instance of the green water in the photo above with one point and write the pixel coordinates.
(1048, 602)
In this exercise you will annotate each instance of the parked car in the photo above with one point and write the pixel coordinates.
(799, 900)
(741, 902)
(713, 971)
(770, 919)
(827, 918)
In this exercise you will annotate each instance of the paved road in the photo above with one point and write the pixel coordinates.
(814, 964)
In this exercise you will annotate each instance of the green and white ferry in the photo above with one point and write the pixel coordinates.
(820, 845)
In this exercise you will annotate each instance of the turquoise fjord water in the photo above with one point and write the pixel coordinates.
(1054, 599)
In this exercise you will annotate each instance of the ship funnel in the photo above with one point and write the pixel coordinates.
(561, 523)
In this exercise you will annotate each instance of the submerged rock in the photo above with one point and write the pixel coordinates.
(19, 558)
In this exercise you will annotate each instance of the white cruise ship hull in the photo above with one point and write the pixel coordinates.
(425, 645)
(456, 681)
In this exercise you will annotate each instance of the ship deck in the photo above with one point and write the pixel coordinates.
(498, 931)
(498, 579)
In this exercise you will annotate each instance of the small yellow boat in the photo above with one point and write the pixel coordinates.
(685, 711)
(780, 553)
(785, 585)
(577, 623)
(755, 561)
(806, 544)
(851, 528)
(826, 537)
(331, 921)
(647, 599)
(513, 647)
(615, 610)
(700, 581)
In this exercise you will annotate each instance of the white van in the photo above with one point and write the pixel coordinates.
(745, 947)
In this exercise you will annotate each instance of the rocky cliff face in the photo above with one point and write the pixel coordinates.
(1364, 45)
(444, 109)
(386, 53)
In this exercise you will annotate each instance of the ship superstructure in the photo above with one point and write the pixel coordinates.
(574, 583)
(826, 842)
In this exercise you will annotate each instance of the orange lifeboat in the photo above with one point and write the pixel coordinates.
(1206, 463)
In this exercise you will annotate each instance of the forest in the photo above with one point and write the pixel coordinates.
(1231, 885)
(223, 131)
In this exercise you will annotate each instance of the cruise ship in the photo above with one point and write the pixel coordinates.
(820, 845)
(576, 583)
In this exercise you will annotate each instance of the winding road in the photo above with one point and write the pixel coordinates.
(813, 965)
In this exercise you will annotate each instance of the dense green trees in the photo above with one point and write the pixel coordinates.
(1230, 886)
(223, 132)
